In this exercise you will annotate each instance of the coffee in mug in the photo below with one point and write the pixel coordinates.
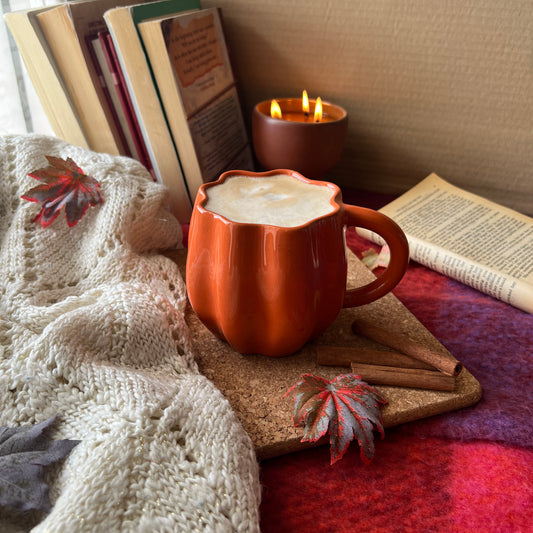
(276, 200)
(266, 264)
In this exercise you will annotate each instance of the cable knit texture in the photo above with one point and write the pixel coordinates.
(92, 328)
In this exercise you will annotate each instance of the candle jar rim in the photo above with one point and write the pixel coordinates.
(288, 105)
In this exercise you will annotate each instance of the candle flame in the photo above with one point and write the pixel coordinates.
(275, 109)
(318, 110)
(305, 102)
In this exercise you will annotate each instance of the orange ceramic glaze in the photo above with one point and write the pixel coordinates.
(269, 289)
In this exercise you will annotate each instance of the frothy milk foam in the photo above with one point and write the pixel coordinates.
(278, 200)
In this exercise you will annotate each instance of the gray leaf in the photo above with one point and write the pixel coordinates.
(24, 452)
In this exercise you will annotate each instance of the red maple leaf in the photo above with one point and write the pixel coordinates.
(64, 184)
(346, 407)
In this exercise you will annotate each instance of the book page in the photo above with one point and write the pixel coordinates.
(219, 136)
(197, 50)
(469, 238)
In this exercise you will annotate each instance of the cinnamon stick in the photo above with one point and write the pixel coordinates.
(404, 377)
(445, 363)
(344, 356)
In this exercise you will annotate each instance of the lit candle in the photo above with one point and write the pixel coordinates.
(299, 134)
(305, 102)
(317, 116)
(275, 110)
(294, 111)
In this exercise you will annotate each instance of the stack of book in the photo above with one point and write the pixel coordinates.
(151, 81)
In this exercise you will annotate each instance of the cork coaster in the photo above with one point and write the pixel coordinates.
(255, 385)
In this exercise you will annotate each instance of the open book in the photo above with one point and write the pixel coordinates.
(468, 238)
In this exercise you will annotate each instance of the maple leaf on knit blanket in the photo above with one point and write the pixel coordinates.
(346, 407)
(64, 184)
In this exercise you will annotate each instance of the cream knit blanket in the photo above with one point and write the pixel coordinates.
(92, 328)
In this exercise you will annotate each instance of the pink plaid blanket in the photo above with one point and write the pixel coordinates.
(465, 471)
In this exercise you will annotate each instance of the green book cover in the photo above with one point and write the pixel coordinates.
(142, 12)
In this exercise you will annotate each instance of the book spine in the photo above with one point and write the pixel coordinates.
(45, 77)
(125, 99)
(77, 72)
(105, 91)
(147, 109)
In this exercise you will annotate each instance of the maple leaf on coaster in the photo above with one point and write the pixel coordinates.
(24, 452)
(346, 407)
(64, 184)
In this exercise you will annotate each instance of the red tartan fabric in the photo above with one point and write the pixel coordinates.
(465, 471)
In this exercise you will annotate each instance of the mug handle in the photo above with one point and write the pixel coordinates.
(399, 253)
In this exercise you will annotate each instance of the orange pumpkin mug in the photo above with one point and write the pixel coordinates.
(266, 264)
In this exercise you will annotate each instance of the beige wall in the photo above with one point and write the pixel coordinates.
(430, 86)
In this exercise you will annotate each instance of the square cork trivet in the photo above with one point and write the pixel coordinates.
(255, 385)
